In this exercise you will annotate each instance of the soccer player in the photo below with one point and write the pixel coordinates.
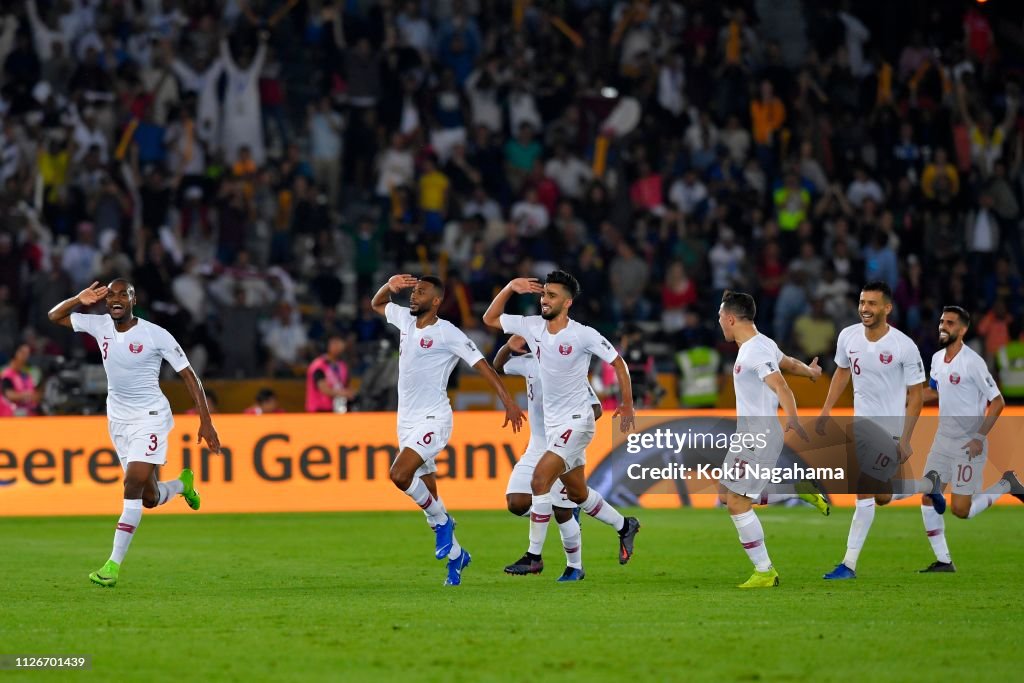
(887, 373)
(760, 388)
(429, 349)
(138, 414)
(564, 349)
(969, 405)
(518, 494)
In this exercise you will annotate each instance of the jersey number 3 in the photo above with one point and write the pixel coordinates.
(105, 345)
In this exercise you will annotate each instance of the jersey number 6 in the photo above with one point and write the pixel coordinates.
(856, 366)
(427, 438)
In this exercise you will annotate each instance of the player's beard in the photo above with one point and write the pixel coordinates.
(420, 312)
(950, 339)
(551, 314)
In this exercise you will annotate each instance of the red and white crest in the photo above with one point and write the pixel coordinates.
(737, 368)
(426, 342)
(564, 349)
(954, 378)
(885, 357)
(135, 348)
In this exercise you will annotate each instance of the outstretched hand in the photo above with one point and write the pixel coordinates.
(795, 426)
(399, 282)
(815, 369)
(208, 434)
(514, 414)
(92, 294)
(526, 285)
(628, 418)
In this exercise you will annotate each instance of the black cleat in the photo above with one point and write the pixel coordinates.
(1016, 488)
(525, 565)
(939, 568)
(938, 500)
(626, 538)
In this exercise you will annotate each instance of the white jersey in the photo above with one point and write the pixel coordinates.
(132, 361)
(426, 358)
(564, 360)
(527, 366)
(881, 371)
(965, 388)
(758, 358)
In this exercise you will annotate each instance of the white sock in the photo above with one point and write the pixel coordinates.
(935, 527)
(773, 498)
(987, 498)
(596, 507)
(456, 550)
(169, 489)
(131, 515)
(540, 515)
(752, 538)
(905, 488)
(863, 516)
(432, 507)
(572, 542)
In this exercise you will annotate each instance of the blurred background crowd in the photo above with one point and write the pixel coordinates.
(259, 168)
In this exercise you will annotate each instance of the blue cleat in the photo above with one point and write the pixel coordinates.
(576, 514)
(841, 572)
(938, 500)
(572, 574)
(455, 568)
(445, 534)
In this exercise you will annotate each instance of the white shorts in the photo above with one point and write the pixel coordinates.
(569, 441)
(739, 479)
(427, 438)
(522, 478)
(949, 458)
(877, 448)
(140, 443)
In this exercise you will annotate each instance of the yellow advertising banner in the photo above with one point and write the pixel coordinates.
(296, 463)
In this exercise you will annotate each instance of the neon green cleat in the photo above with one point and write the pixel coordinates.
(189, 493)
(809, 493)
(768, 579)
(106, 575)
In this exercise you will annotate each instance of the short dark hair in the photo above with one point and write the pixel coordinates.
(127, 283)
(436, 281)
(961, 313)
(560, 277)
(740, 305)
(879, 286)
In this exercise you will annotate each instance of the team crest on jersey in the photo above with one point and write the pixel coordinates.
(135, 348)
(426, 342)
(885, 357)
(954, 378)
(565, 349)
(737, 368)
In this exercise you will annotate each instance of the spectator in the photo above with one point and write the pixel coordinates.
(940, 180)
(285, 341)
(863, 188)
(569, 172)
(433, 198)
(678, 293)
(20, 396)
(880, 261)
(815, 332)
(265, 404)
(325, 135)
(994, 328)
(726, 259)
(327, 379)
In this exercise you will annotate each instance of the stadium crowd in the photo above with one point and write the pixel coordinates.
(259, 168)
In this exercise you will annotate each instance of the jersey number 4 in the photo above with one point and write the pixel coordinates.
(565, 436)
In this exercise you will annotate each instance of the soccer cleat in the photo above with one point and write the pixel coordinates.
(938, 500)
(576, 514)
(572, 574)
(188, 492)
(525, 565)
(809, 493)
(106, 575)
(841, 572)
(1016, 487)
(626, 538)
(768, 579)
(444, 535)
(939, 568)
(455, 568)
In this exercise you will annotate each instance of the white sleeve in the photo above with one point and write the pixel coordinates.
(931, 370)
(169, 348)
(986, 384)
(517, 365)
(514, 324)
(913, 366)
(842, 359)
(595, 343)
(765, 361)
(397, 315)
(83, 322)
(462, 346)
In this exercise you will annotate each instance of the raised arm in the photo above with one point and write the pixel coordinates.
(393, 286)
(61, 313)
(513, 413)
(206, 429)
(515, 344)
(800, 369)
(521, 285)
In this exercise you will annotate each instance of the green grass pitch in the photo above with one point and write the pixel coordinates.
(358, 597)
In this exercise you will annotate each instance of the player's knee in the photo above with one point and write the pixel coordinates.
(883, 498)
(518, 505)
(926, 501)
(563, 515)
(538, 485)
(961, 510)
(150, 500)
(401, 479)
(578, 496)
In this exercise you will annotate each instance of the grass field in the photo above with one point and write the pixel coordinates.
(358, 597)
